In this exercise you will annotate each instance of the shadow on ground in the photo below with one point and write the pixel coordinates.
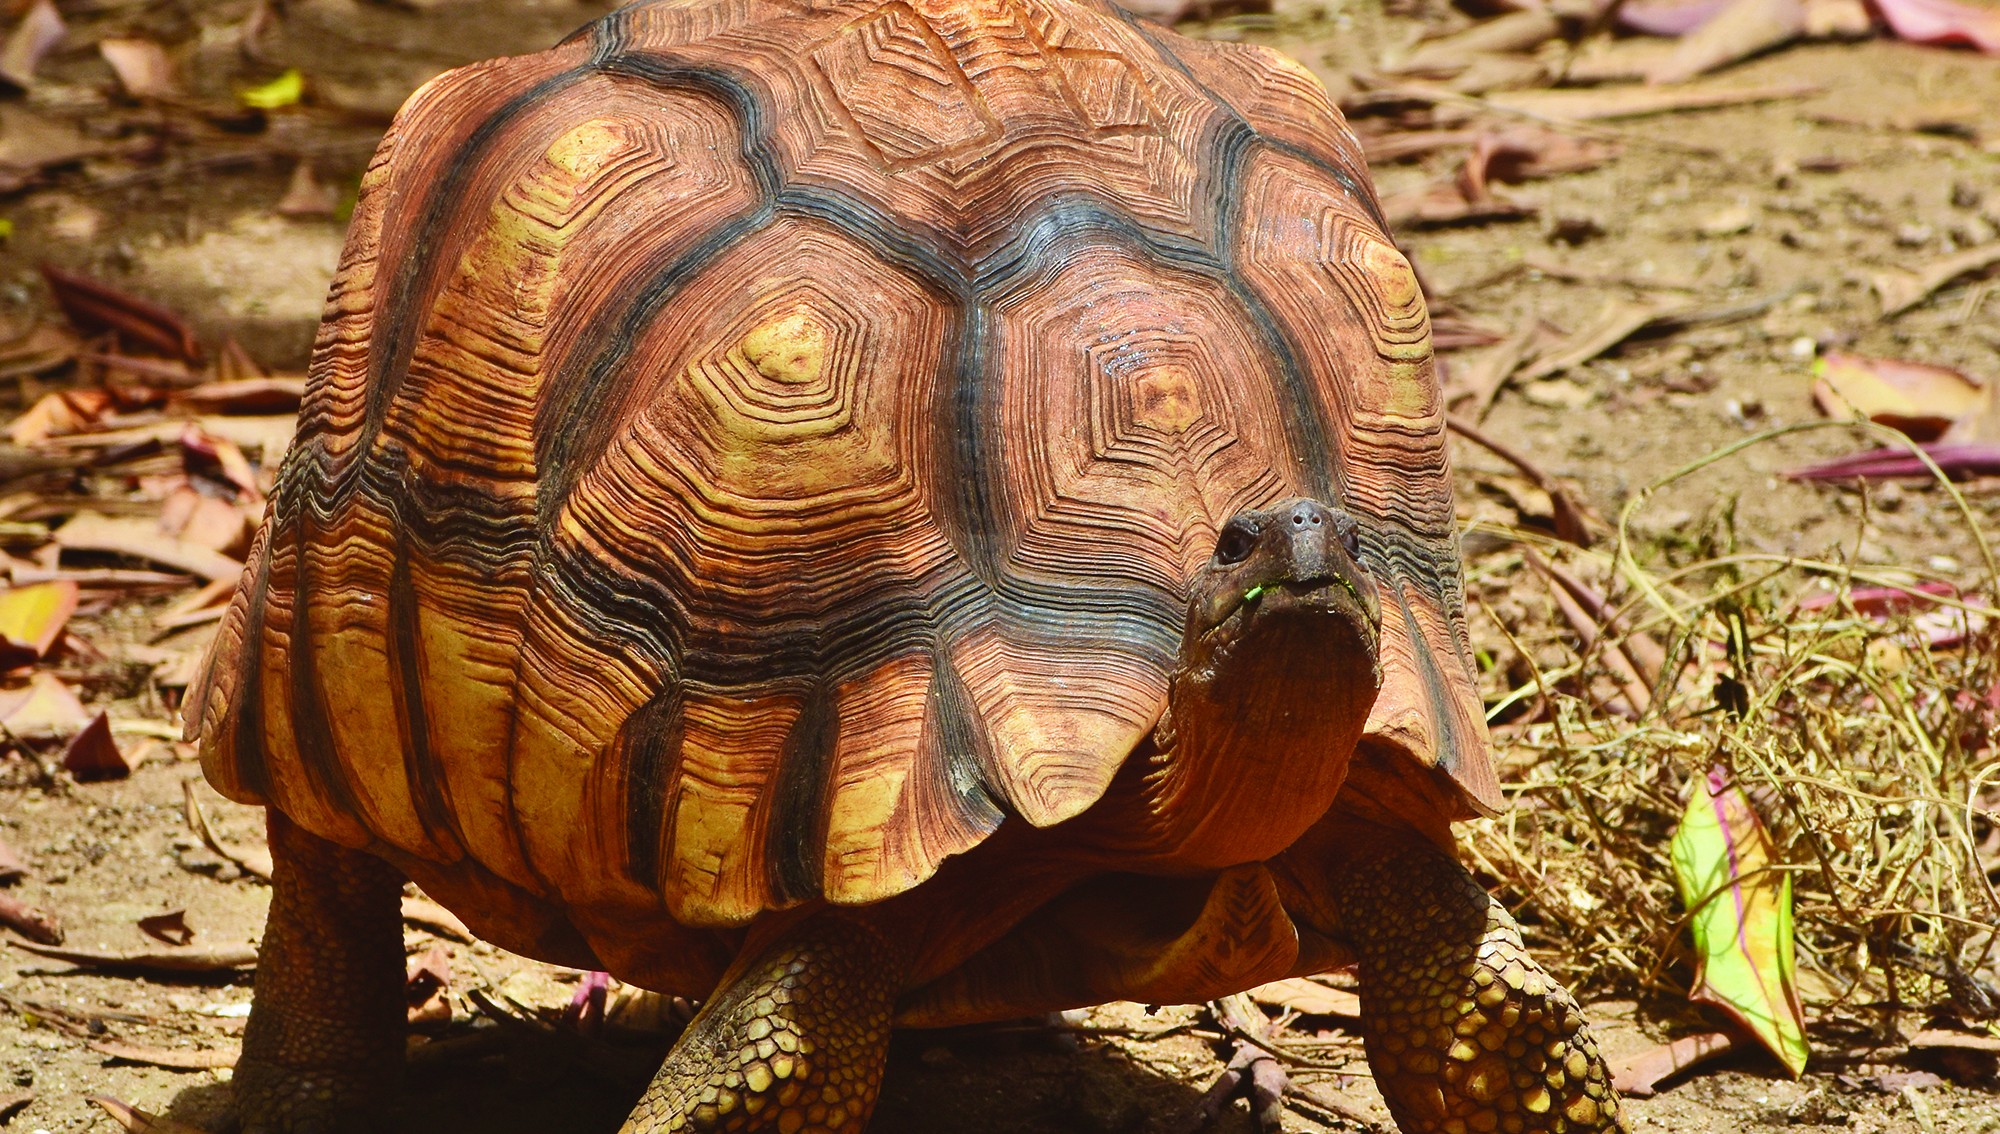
(974, 1082)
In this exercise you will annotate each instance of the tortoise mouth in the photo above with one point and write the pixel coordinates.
(1281, 608)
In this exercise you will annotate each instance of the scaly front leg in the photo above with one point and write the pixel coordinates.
(792, 1041)
(325, 1039)
(1464, 1031)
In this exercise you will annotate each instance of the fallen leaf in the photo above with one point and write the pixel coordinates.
(152, 962)
(1880, 602)
(1741, 29)
(32, 146)
(255, 862)
(1668, 19)
(38, 33)
(45, 346)
(12, 869)
(306, 196)
(94, 307)
(1943, 22)
(285, 90)
(1957, 460)
(1899, 290)
(1474, 387)
(248, 395)
(1448, 55)
(1574, 521)
(1618, 320)
(1308, 997)
(43, 709)
(92, 755)
(90, 531)
(203, 449)
(170, 927)
(141, 66)
(32, 620)
(1920, 399)
(136, 1121)
(1639, 102)
(426, 989)
(57, 414)
(585, 1012)
(197, 517)
(173, 1058)
(1639, 1075)
(426, 914)
(1935, 1039)
(30, 922)
(1174, 11)
(1739, 905)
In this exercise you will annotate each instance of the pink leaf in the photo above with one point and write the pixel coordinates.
(1943, 22)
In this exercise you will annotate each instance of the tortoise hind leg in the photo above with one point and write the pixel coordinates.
(793, 1040)
(325, 1036)
(1464, 1031)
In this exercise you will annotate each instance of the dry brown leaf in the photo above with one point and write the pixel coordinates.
(255, 862)
(1899, 290)
(32, 620)
(57, 414)
(1640, 1075)
(141, 66)
(136, 1121)
(156, 962)
(45, 346)
(1308, 997)
(426, 914)
(32, 146)
(1450, 54)
(1619, 320)
(1936, 1039)
(199, 518)
(30, 922)
(1639, 102)
(307, 196)
(1920, 399)
(94, 307)
(1740, 30)
(170, 927)
(42, 709)
(38, 33)
(93, 755)
(248, 395)
(173, 1058)
(91, 531)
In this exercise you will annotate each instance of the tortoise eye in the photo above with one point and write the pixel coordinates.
(1350, 540)
(1238, 540)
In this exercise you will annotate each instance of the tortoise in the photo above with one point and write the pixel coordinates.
(873, 513)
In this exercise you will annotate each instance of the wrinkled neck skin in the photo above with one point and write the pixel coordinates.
(1277, 672)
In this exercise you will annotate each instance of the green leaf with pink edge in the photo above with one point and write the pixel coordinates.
(1740, 900)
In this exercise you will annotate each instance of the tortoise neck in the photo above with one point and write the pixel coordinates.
(1255, 745)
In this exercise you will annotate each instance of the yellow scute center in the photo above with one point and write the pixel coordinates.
(790, 349)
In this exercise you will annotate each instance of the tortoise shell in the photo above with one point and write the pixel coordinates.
(754, 449)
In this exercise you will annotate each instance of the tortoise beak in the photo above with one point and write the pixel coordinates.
(1298, 558)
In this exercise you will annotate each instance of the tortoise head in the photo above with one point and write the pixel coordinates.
(1277, 671)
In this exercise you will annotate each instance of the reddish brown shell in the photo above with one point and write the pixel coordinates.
(755, 447)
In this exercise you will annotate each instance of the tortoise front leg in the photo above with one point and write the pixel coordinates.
(1464, 1031)
(325, 1036)
(793, 1040)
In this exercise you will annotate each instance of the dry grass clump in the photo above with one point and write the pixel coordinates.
(1870, 754)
